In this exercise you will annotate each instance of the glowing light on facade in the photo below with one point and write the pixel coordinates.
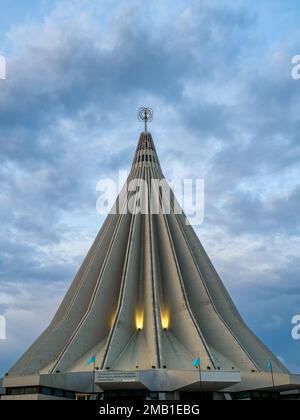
(113, 319)
(139, 320)
(165, 319)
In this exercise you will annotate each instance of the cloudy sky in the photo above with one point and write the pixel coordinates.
(218, 75)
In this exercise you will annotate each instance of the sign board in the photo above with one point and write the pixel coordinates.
(111, 376)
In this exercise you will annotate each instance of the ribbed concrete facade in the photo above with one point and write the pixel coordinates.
(148, 299)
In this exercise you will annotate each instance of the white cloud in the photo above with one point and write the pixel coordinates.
(27, 309)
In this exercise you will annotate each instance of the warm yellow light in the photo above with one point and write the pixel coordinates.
(165, 319)
(113, 319)
(139, 320)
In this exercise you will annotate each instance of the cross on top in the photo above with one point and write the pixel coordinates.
(145, 115)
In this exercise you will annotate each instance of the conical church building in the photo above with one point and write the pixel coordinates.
(147, 315)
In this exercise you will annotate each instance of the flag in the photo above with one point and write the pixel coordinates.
(270, 365)
(92, 360)
(197, 362)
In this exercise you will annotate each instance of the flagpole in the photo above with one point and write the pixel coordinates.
(197, 365)
(272, 374)
(94, 375)
(200, 377)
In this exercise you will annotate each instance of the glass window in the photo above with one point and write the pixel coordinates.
(81, 398)
(23, 391)
(58, 393)
(17, 391)
(47, 391)
(31, 390)
(70, 395)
